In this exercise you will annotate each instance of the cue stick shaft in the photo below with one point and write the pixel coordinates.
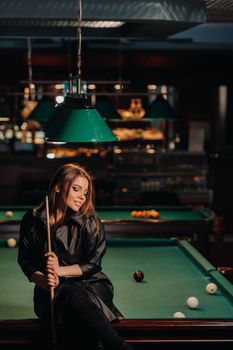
(51, 288)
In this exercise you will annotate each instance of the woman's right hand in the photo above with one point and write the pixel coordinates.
(52, 279)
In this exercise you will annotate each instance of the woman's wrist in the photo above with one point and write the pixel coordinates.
(69, 271)
(58, 271)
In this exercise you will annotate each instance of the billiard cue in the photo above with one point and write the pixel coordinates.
(51, 289)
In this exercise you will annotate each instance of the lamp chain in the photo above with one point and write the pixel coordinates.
(79, 45)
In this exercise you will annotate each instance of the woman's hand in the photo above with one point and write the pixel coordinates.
(45, 281)
(52, 268)
(52, 279)
(52, 264)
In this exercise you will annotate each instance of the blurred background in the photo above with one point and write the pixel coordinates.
(160, 73)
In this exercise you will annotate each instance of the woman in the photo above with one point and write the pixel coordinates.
(83, 293)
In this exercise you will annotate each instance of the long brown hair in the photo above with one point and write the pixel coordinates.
(62, 180)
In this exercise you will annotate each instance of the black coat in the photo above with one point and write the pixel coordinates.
(72, 245)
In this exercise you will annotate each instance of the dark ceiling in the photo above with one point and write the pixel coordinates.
(140, 18)
(164, 39)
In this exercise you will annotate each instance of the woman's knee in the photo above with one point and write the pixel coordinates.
(73, 295)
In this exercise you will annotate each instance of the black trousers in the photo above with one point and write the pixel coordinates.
(84, 319)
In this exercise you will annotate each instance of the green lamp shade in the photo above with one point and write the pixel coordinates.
(43, 111)
(76, 121)
(105, 108)
(160, 109)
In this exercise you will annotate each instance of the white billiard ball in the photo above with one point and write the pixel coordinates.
(9, 213)
(179, 314)
(211, 288)
(192, 302)
(11, 242)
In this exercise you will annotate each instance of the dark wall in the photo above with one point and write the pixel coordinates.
(24, 180)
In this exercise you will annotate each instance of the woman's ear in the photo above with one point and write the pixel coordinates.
(57, 188)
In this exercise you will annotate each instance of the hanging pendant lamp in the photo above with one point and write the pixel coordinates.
(43, 111)
(106, 109)
(160, 109)
(75, 120)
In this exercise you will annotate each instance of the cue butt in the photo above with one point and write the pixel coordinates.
(53, 330)
(51, 291)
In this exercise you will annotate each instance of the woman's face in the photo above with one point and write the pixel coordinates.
(77, 193)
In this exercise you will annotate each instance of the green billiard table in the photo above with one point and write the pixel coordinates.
(174, 270)
(174, 221)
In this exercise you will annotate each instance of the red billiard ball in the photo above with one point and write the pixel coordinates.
(138, 276)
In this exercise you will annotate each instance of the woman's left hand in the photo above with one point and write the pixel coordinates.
(52, 262)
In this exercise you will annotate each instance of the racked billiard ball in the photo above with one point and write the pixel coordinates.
(138, 276)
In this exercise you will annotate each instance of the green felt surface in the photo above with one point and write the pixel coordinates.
(164, 215)
(17, 215)
(16, 292)
(172, 275)
(170, 278)
(196, 257)
(124, 213)
(167, 212)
